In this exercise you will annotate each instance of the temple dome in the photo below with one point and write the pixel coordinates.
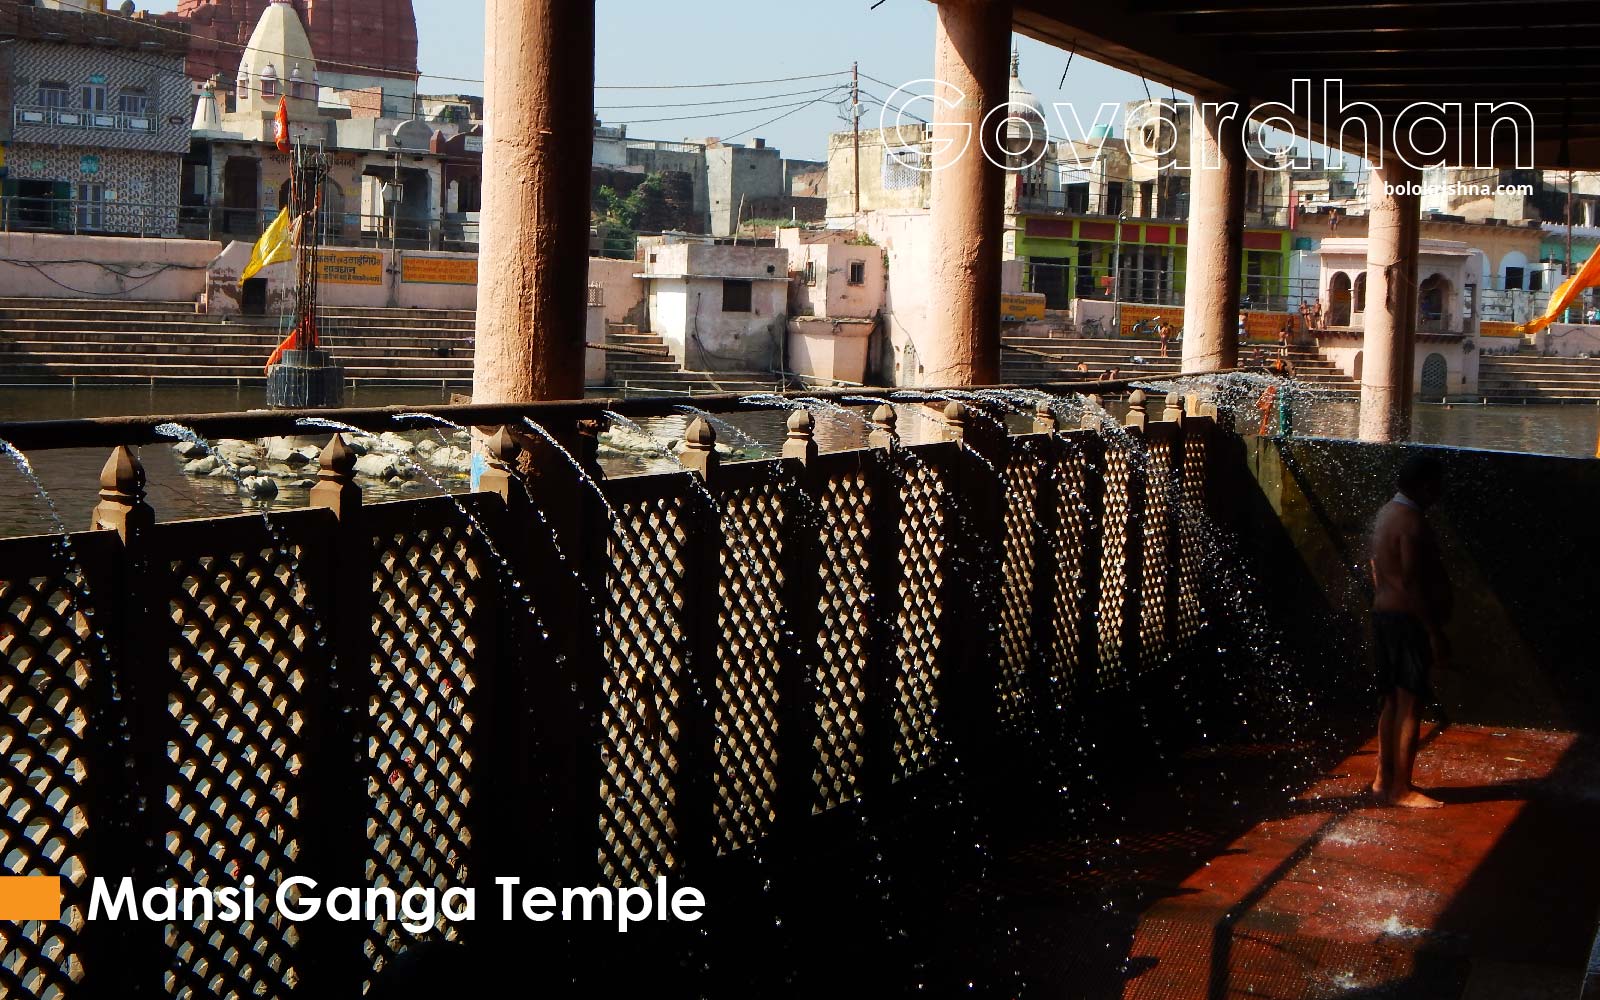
(1023, 104)
(279, 39)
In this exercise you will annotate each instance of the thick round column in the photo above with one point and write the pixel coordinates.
(1216, 236)
(1389, 334)
(972, 43)
(533, 245)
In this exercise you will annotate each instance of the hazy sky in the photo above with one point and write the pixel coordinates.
(649, 42)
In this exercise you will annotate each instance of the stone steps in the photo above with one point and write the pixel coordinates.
(1027, 359)
(1519, 378)
(96, 340)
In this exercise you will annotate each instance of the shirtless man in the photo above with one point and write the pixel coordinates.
(1409, 607)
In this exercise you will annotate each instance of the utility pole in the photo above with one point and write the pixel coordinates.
(855, 127)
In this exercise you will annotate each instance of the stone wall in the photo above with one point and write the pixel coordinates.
(1513, 530)
(50, 265)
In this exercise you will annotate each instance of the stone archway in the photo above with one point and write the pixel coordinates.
(1433, 304)
(1339, 299)
(1355, 366)
(1360, 293)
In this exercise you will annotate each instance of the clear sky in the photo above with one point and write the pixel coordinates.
(650, 42)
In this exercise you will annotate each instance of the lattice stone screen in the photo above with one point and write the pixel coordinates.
(409, 694)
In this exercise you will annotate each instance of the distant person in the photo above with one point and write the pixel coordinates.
(1410, 604)
(1316, 315)
(1164, 332)
(1241, 327)
(1083, 366)
(1283, 340)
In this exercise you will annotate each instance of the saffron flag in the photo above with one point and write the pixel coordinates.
(1587, 277)
(275, 246)
(280, 125)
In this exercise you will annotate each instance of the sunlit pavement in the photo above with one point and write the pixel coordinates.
(1324, 893)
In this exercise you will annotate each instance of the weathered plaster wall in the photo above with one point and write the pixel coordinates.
(223, 292)
(687, 286)
(626, 297)
(52, 266)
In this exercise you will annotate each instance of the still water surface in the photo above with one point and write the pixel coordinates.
(72, 475)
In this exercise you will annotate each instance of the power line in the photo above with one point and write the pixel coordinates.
(701, 86)
(777, 119)
(728, 114)
(730, 100)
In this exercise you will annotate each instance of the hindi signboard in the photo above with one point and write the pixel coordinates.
(439, 270)
(346, 267)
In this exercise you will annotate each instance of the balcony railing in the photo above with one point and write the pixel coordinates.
(1106, 204)
(40, 116)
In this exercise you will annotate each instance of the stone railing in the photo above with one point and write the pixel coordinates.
(576, 680)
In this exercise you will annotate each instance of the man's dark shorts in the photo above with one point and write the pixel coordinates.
(1403, 652)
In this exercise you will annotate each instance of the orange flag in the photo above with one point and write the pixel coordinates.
(280, 126)
(1587, 277)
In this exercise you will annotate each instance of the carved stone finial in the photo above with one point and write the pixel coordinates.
(1137, 416)
(1093, 409)
(502, 447)
(1174, 412)
(884, 433)
(801, 442)
(1044, 417)
(699, 453)
(122, 507)
(336, 487)
(338, 461)
(122, 478)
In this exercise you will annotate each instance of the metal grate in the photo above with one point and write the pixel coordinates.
(644, 687)
(918, 634)
(431, 584)
(749, 644)
(844, 637)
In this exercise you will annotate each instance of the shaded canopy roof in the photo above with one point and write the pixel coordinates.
(1391, 54)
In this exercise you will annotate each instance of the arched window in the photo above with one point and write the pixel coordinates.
(1339, 299)
(269, 83)
(1360, 305)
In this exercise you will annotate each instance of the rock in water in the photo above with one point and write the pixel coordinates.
(202, 466)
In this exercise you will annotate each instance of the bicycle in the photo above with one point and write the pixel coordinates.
(1092, 327)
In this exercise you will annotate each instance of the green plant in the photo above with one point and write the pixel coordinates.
(861, 240)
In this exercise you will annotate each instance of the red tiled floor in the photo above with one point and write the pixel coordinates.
(1337, 897)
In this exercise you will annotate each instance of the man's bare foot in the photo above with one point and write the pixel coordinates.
(1414, 799)
(1380, 791)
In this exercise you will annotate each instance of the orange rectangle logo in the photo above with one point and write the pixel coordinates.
(30, 897)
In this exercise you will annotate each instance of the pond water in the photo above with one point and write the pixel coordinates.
(72, 475)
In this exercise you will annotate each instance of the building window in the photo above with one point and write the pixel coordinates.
(1113, 205)
(1513, 278)
(94, 96)
(469, 196)
(736, 296)
(811, 273)
(133, 102)
(858, 272)
(91, 206)
(52, 95)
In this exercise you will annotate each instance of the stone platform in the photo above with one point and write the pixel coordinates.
(1324, 894)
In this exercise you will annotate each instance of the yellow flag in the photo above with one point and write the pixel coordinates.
(1587, 277)
(275, 246)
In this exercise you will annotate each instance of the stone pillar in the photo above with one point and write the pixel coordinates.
(972, 51)
(1390, 329)
(1216, 236)
(533, 256)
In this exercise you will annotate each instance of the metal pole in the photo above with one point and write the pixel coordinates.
(1567, 314)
